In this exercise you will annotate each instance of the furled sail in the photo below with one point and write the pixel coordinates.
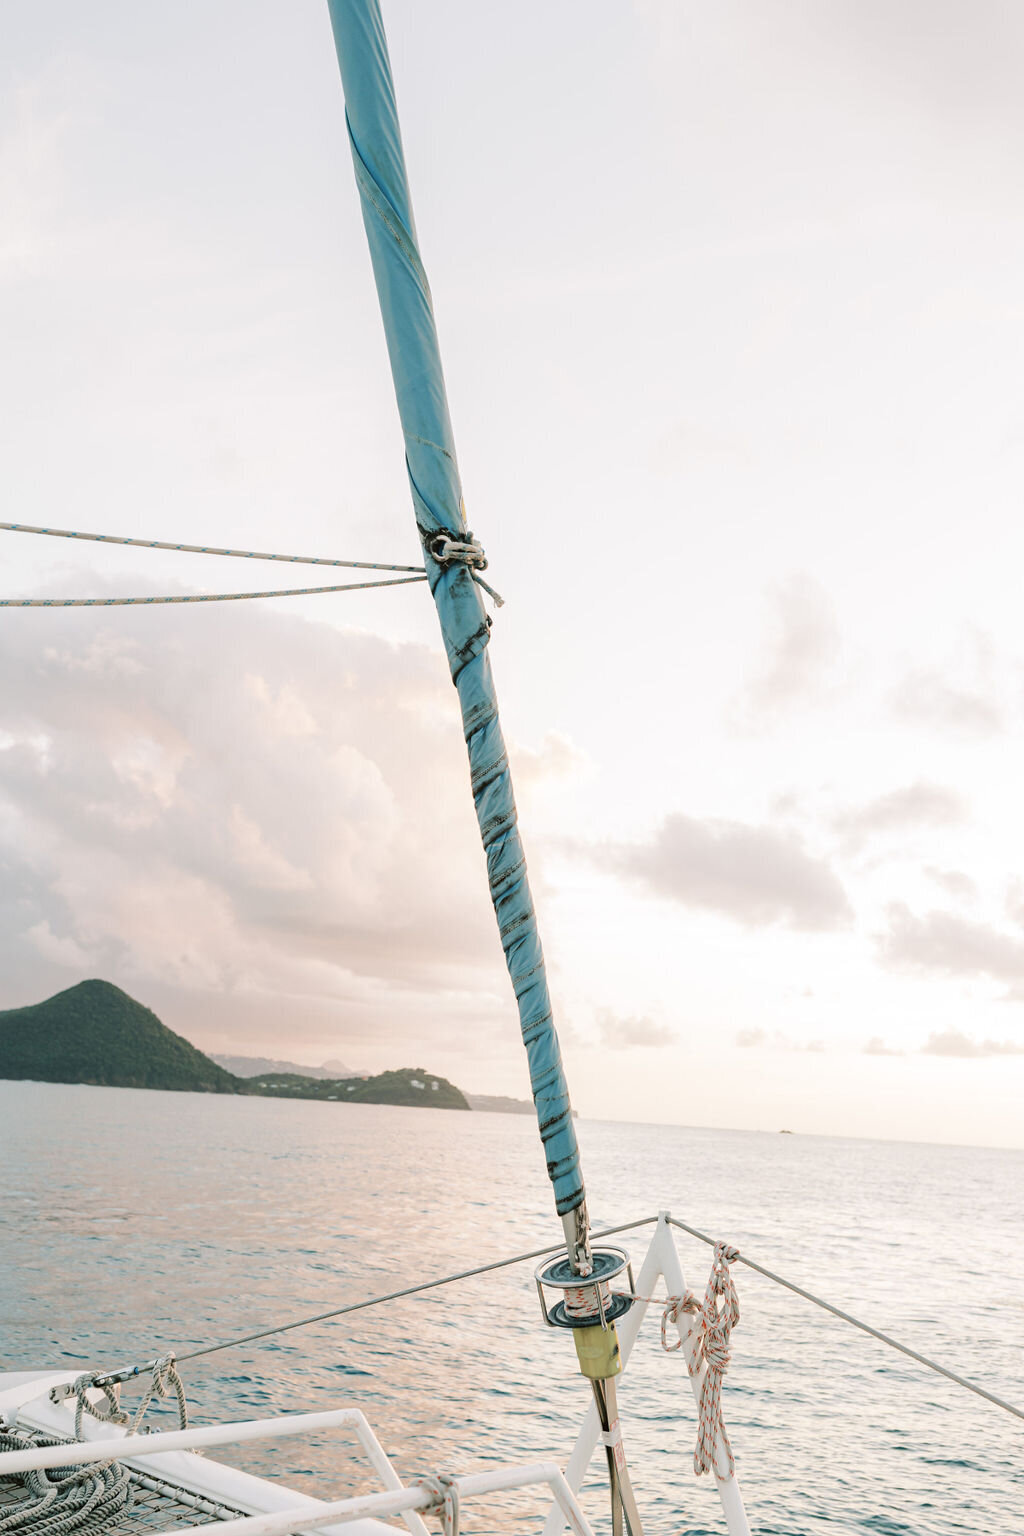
(437, 498)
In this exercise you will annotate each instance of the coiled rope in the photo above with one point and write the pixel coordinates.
(710, 1342)
(87, 1498)
(65, 1499)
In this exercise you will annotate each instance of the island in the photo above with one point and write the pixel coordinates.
(96, 1034)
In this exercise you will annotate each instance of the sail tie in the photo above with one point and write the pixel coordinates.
(469, 552)
(444, 1493)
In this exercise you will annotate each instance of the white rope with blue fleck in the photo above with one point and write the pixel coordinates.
(201, 597)
(207, 549)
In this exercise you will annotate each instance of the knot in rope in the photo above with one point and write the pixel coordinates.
(469, 552)
(711, 1349)
(163, 1381)
(675, 1306)
(444, 1496)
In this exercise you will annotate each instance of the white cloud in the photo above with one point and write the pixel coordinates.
(952, 1042)
(241, 805)
(622, 1033)
(947, 944)
(920, 804)
(760, 1039)
(755, 875)
(798, 656)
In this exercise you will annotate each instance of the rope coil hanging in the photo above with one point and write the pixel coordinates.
(710, 1348)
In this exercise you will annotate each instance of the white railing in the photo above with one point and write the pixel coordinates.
(397, 1499)
(136, 1447)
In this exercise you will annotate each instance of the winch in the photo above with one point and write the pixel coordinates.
(590, 1308)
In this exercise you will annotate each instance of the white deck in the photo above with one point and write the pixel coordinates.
(25, 1403)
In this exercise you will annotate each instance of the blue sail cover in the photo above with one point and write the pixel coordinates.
(408, 316)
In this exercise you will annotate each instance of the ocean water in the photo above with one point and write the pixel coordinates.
(131, 1222)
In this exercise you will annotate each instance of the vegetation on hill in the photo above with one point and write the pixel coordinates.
(408, 1085)
(95, 1033)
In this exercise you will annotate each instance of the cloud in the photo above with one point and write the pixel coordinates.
(876, 1046)
(755, 875)
(925, 697)
(945, 944)
(620, 1033)
(952, 1043)
(558, 757)
(954, 882)
(254, 822)
(960, 698)
(798, 655)
(914, 805)
(759, 1039)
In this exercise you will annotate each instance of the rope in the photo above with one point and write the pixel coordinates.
(582, 1300)
(62, 1500)
(89, 1497)
(444, 1495)
(208, 549)
(855, 1322)
(711, 1349)
(205, 597)
(164, 1380)
(469, 552)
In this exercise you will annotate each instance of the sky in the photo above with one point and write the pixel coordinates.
(730, 308)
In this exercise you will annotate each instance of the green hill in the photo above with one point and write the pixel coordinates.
(95, 1033)
(409, 1085)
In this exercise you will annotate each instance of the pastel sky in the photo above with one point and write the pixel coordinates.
(731, 309)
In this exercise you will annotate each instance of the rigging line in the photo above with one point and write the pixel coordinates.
(205, 549)
(203, 597)
(875, 1333)
(411, 1290)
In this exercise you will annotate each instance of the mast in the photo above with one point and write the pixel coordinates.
(450, 555)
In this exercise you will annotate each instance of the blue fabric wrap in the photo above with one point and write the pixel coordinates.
(408, 316)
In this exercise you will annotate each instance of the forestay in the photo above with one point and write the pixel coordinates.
(440, 517)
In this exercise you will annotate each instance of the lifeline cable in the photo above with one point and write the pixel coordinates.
(846, 1317)
(539, 1253)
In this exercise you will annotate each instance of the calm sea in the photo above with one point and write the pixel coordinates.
(131, 1222)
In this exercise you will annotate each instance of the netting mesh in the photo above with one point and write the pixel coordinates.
(155, 1505)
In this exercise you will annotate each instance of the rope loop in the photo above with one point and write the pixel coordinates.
(468, 551)
(163, 1381)
(444, 1496)
(675, 1307)
(711, 1350)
